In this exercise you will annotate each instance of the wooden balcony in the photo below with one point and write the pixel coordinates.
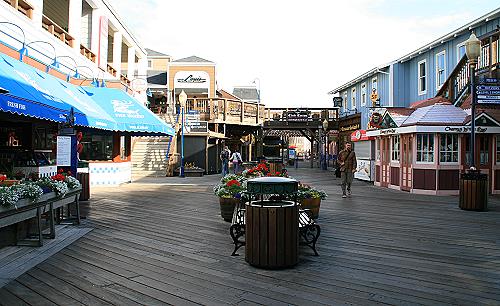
(57, 31)
(111, 70)
(124, 80)
(21, 6)
(87, 53)
(217, 110)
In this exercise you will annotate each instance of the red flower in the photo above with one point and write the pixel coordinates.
(233, 182)
(58, 177)
(60, 171)
(3, 177)
(277, 173)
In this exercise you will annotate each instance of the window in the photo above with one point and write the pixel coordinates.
(395, 148)
(440, 69)
(97, 147)
(353, 98)
(425, 148)
(422, 77)
(484, 150)
(460, 51)
(374, 84)
(498, 149)
(345, 101)
(378, 149)
(363, 94)
(448, 150)
(150, 64)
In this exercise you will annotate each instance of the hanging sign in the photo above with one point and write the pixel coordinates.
(488, 94)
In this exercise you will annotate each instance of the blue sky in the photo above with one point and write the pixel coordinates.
(298, 49)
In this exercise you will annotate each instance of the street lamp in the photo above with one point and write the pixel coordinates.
(182, 101)
(472, 50)
(258, 98)
(325, 127)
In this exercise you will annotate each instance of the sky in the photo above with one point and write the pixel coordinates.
(299, 50)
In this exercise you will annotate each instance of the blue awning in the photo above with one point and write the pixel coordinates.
(38, 94)
(129, 114)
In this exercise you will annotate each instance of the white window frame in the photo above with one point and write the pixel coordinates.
(425, 151)
(363, 94)
(445, 150)
(395, 152)
(438, 86)
(353, 98)
(462, 44)
(150, 63)
(420, 91)
(344, 105)
(376, 82)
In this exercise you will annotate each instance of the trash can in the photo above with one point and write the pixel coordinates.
(272, 222)
(474, 191)
(83, 176)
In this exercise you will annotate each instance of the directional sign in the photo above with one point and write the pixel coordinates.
(488, 94)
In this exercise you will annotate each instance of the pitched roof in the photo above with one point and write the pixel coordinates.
(428, 102)
(225, 95)
(399, 115)
(154, 53)
(437, 114)
(246, 93)
(192, 59)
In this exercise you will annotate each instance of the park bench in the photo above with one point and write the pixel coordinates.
(308, 229)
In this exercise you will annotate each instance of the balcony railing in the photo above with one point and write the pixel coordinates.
(226, 111)
(124, 79)
(87, 53)
(22, 6)
(57, 31)
(111, 70)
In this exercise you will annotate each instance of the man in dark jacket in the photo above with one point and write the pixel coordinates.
(348, 164)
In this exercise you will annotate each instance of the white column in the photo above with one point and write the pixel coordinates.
(94, 40)
(37, 12)
(142, 67)
(75, 22)
(117, 53)
(131, 63)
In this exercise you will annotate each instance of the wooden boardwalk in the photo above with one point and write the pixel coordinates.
(162, 241)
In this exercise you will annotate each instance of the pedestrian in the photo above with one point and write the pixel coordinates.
(236, 159)
(348, 164)
(224, 157)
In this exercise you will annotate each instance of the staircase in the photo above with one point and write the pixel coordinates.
(149, 153)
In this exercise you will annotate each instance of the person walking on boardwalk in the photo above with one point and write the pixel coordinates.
(236, 159)
(348, 164)
(224, 157)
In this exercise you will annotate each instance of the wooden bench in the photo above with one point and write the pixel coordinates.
(309, 231)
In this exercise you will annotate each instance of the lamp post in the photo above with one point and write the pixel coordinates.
(472, 50)
(325, 128)
(182, 101)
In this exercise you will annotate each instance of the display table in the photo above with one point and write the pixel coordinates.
(272, 223)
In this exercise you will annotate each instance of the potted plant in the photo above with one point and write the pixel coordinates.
(310, 198)
(229, 191)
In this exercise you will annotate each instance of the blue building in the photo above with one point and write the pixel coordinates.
(435, 73)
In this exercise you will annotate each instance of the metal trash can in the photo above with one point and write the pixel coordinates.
(474, 191)
(272, 221)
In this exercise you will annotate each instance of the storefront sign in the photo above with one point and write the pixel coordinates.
(63, 151)
(337, 101)
(464, 129)
(191, 79)
(348, 128)
(196, 127)
(363, 170)
(298, 116)
(388, 131)
(359, 135)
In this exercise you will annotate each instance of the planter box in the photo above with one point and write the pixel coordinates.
(313, 205)
(191, 172)
(227, 206)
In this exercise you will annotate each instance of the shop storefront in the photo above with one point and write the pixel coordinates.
(429, 150)
(347, 125)
(33, 107)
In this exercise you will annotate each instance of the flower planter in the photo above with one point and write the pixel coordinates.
(7, 183)
(313, 204)
(227, 208)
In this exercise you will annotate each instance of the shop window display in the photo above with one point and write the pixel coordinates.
(448, 151)
(425, 148)
(395, 148)
(97, 147)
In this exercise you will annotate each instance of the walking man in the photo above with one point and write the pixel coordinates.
(224, 157)
(348, 164)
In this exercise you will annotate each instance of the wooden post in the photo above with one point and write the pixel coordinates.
(242, 111)
(211, 108)
(225, 110)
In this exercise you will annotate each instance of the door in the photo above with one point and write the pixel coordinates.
(385, 157)
(406, 162)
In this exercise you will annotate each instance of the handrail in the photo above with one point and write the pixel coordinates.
(53, 28)
(22, 6)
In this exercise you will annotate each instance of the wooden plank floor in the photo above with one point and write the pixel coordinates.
(162, 241)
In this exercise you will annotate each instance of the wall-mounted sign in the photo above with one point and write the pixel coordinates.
(488, 94)
(388, 132)
(191, 79)
(102, 56)
(375, 121)
(196, 127)
(359, 135)
(337, 101)
(374, 97)
(349, 128)
(464, 129)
